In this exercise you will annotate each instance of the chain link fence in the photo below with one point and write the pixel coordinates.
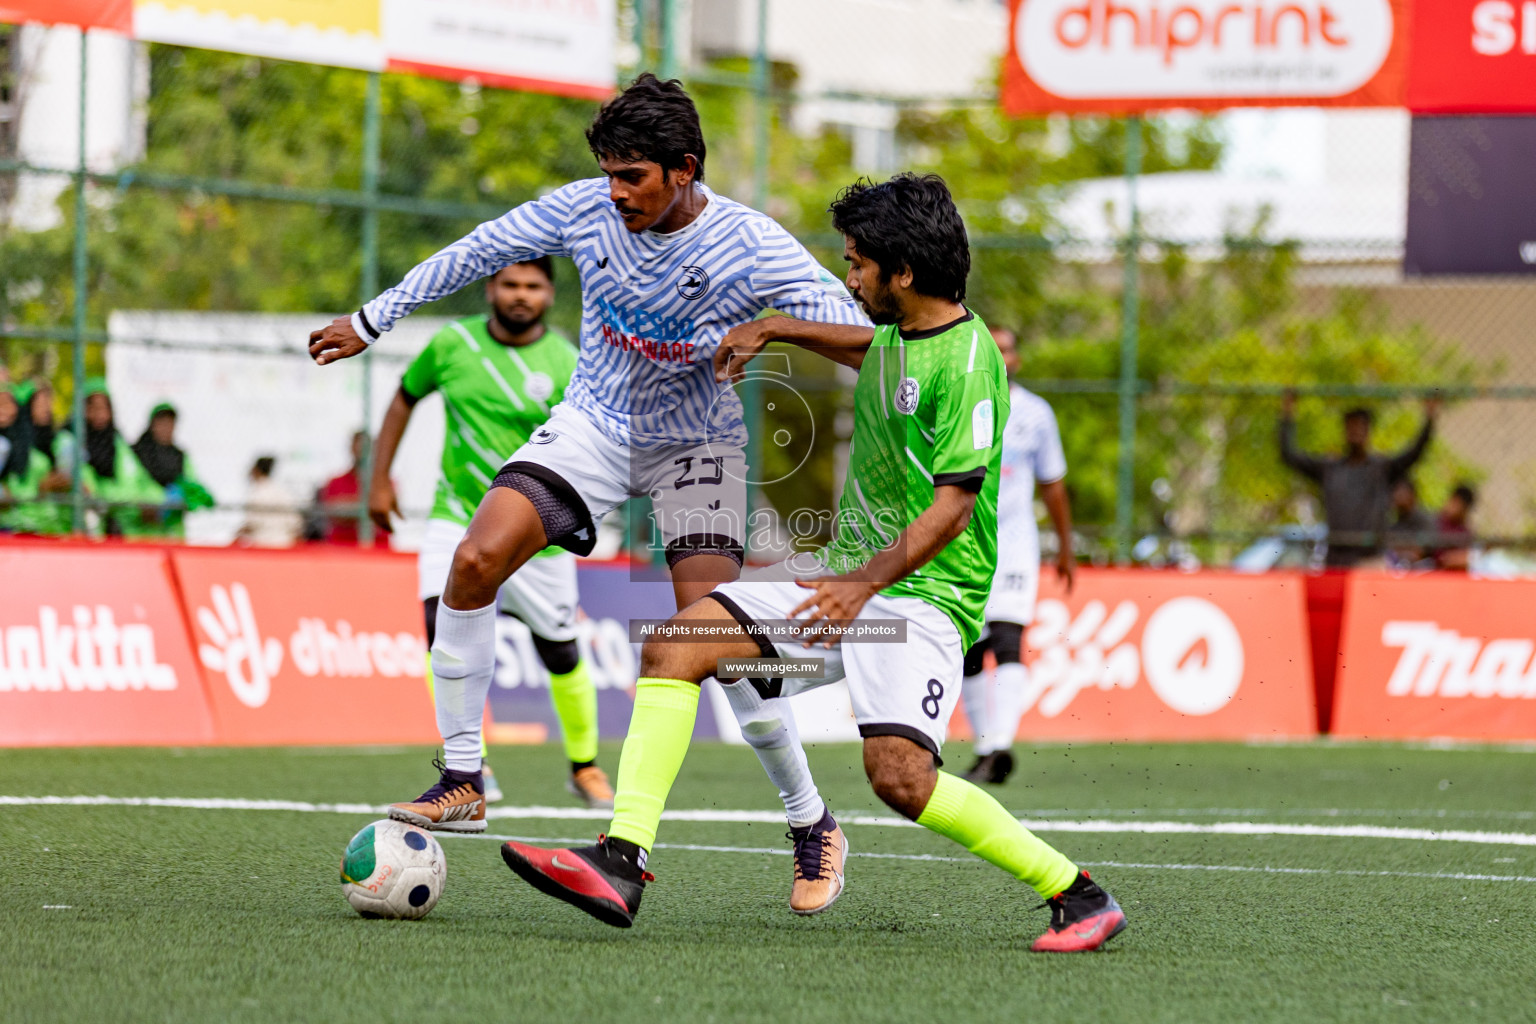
(222, 206)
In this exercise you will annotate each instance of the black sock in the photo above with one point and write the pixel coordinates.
(577, 766)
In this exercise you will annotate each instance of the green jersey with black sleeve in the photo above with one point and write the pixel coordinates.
(494, 397)
(928, 410)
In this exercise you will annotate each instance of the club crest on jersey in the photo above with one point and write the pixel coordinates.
(539, 386)
(543, 436)
(906, 396)
(694, 284)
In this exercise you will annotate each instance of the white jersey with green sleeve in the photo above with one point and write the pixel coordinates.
(494, 397)
(928, 410)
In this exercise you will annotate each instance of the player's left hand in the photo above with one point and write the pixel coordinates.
(1066, 569)
(833, 599)
(337, 340)
(740, 344)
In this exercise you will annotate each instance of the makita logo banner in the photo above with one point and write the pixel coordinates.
(93, 649)
(1132, 655)
(92, 652)
(1110, 55)
(1438, 656)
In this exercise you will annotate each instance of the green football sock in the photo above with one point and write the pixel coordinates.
(575, 700)
(432, 695)
(968, 815)
(659, 731)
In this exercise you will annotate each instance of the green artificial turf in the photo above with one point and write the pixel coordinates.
(177, 914)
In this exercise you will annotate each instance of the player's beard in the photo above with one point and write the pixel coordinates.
(881, 309)
(514, 324)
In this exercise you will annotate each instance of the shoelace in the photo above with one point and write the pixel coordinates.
(443, 789)
(810, 853)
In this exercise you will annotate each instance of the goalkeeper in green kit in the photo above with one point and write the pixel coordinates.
(499, 376)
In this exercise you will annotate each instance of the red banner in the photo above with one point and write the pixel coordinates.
(1473, 56)
(309, 646)
(1125, 56)
(1437, 656)
(116, 15)
(1170, 656)
(93, 650)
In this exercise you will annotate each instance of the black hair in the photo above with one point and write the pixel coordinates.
(264, 464)
(1467, 495)
(651, 120)
(1360, 412)
(909, 222)
(544, 263)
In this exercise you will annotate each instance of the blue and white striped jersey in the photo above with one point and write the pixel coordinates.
(1031, 452)
(653, 306)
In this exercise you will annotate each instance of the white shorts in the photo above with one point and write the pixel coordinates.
(698, 491)
(542, 593)
(907, 689)
(1015, 586)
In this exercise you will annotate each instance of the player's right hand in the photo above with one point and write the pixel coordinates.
(336, 341)
(382, 501)
(740, 344)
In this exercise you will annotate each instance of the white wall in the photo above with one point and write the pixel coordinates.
(48, 104)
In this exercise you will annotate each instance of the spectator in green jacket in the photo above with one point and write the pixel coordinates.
(171, 468)
(112, 474)
(26, 474)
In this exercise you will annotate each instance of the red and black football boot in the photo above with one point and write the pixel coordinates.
(1083, 917)
(605, 880)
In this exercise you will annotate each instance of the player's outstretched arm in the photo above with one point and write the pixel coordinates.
(841, 597)
(382, 500)
(840, 343)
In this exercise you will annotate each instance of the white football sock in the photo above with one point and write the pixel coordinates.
(1008, 704)
(463, 662)
(769, 726)
(977, 693)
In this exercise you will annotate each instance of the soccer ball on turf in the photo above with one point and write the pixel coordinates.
(391, 869)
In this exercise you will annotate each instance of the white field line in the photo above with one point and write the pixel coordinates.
(1233, 828)
(1458, 876)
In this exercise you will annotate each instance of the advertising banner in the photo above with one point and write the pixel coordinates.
(1169, 656)
(309, 646)
(94, 650)
(565, 47)
(1106, 56)
(1437, 656)
(1471, 207)
(1473, 56)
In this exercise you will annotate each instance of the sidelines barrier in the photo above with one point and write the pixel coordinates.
(118, 644)
(1437, 656)
(1170, 656)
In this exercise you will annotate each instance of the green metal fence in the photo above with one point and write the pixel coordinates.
(268, 187)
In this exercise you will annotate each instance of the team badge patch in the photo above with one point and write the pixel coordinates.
(981, 425)
(543, 436)
(539, 386)
(694, 284)
(906, 396)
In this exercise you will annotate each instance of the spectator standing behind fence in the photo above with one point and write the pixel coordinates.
(339, 501)
(111, 472)
(25, 472)
(170, 467)
(1357, 486)
(271, 520)
(1411, 527)
(1453, 546)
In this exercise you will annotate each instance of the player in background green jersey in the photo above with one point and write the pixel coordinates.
(914, 552)
(499, 376)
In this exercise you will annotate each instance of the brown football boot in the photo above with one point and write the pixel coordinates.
(590, 786)
(455, 804)
(820, 854)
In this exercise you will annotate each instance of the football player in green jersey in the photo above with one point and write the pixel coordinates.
(499, 375)
(913, 554)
